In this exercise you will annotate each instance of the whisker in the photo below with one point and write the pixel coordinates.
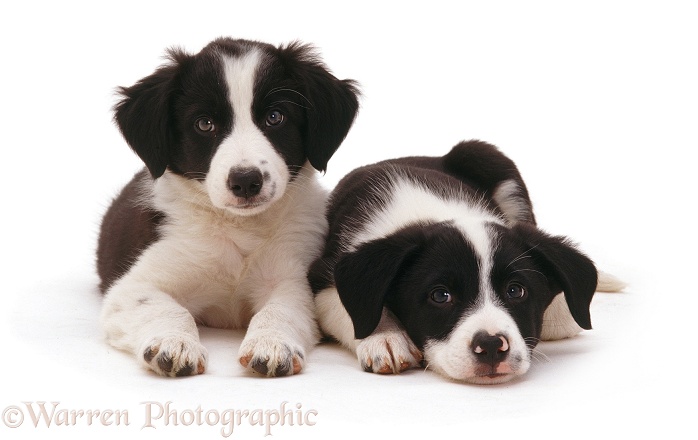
(523, 255)
(530, 270)
(531, 338)
(531, 342)
(539, 356)
(288, 102)
(285, 89)
(195, 175)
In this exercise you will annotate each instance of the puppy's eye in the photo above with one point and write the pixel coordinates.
(440, 295)
(516, 291)
(205, 125)
(274, 118)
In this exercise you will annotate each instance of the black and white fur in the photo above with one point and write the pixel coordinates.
(222, 226)
(439, 259)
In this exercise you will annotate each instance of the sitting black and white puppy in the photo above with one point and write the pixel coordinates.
(439, 259)
(222, 227)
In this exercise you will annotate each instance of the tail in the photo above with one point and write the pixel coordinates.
(609, 283)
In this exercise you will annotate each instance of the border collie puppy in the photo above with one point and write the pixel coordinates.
(222, 226)
(439, 259)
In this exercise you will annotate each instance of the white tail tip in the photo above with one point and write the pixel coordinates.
(609, 283)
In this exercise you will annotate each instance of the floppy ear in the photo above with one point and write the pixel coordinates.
(332, 104)
(145, 114)
(364, 277)
(571, 271)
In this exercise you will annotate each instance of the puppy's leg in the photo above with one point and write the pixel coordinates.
(558, 322)
(139, 318)
(282, 330)
(387, 350)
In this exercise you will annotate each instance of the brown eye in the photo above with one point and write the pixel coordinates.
(205, 125)
(274, 118)
(516, 291)
(440, 295)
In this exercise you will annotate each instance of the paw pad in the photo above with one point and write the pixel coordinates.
(175, 358)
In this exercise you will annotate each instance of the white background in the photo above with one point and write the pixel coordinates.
(596, 102)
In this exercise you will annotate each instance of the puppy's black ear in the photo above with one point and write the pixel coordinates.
(567, 269)
(145, 114)
(331, 103)
(364, 278)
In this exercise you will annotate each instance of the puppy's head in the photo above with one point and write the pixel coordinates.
(239, 117)
(472, 300)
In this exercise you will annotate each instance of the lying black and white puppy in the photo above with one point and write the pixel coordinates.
(439, 259)
(222, 227)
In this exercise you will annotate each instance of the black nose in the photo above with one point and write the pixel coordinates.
(245, 182)
(490, 349)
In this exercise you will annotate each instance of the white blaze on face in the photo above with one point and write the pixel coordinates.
(246, 147)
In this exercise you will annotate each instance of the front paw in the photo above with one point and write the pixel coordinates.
(175, 356)
(271, 355)
(388, 352)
